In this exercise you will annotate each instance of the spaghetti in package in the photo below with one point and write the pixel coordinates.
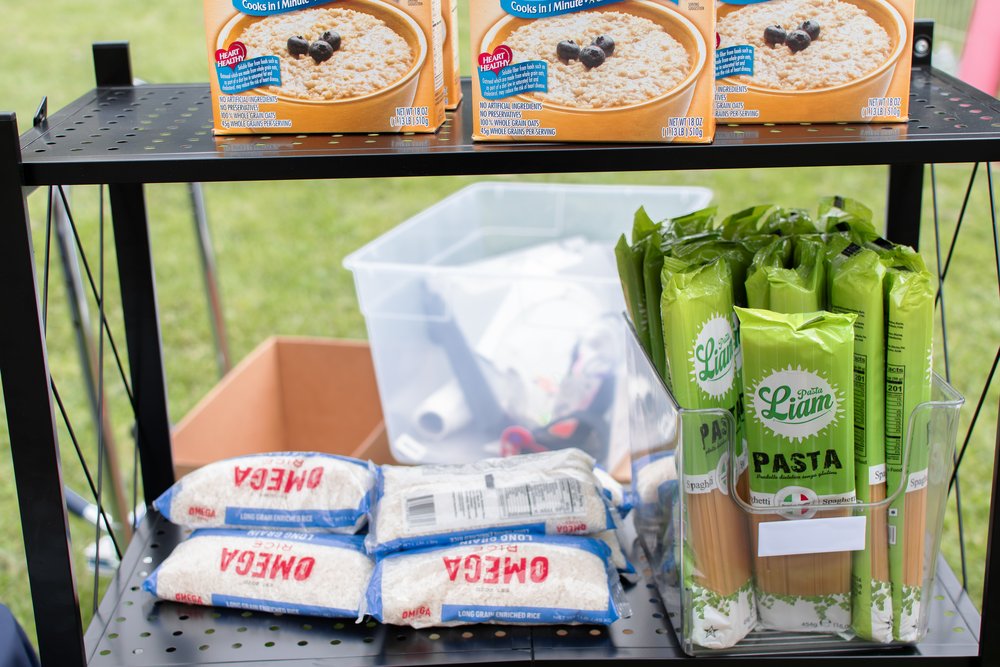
(549, 493)
(652, 267)
(309, 573)
(630, 259)
(909, 296)
(849, 217)
(274, 490)
(508, 579)
(798, 391)
(856, 276)
(788, 276)
(703, 357)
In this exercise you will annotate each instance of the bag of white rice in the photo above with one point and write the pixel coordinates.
(512, 579)
(273, 490)
(314, 574)
(622, 564)
(547, 493)
(620, 498)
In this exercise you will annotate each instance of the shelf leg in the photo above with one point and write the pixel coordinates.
(989, 641)
(142, 332)
(906, 189)
(31, 423)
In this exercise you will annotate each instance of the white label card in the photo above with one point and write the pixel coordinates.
(811, 536)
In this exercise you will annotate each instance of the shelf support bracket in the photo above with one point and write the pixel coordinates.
(112, 65)
(31, 423)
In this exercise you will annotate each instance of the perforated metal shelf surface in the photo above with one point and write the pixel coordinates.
(162, 133)
(132, 628)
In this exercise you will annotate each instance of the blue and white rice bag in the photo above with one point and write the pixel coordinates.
(550, 493)
(309, 573)
(293, 490)
(518, 579)
(619, 497)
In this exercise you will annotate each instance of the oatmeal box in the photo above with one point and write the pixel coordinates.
(325, 65)
(593, 70)
(817, 61)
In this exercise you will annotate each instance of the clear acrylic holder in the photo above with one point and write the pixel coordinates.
(656, 427)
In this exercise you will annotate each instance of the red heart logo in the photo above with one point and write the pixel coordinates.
(237, 53)
(298, 463)
(496, 61)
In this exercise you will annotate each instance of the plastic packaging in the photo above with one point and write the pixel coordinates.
(316, 574)
(798, 392)
(274, 490)
(510, 579)
(547, 493)
(657, 475)
(703, 356)
(856, 276)
(909, 296)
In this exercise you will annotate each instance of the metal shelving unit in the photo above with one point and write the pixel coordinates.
(123, 136)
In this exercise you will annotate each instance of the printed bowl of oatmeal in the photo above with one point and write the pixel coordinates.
(356, 56)
(628, 62)
(851, 58)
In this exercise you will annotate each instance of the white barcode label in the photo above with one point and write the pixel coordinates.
(484, 506)
(892, 535)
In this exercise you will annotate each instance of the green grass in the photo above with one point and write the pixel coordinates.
(280, 245)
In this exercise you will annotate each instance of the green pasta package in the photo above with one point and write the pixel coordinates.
(909, 308)
(798, 392)
(703, 361)
(630, 260)
(856, 277)
(787, 276)
(652, 267)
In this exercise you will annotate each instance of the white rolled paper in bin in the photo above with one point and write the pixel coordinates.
(443, 413)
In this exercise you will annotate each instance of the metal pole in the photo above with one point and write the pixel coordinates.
(207, 255)
(31, 424)
(906, 190)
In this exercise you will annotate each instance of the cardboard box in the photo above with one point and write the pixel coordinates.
(379, 68)
(541, 74)
(855, 69)
(452, 74)
(288, 394)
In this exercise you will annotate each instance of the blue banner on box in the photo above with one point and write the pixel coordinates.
(269, 7)
(527, 77)
(734, 61)
(536, 9)
(249, 74)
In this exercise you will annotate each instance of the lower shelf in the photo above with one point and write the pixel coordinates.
(133, 628)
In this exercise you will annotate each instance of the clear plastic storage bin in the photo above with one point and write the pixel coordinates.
(665, 516)
(493, 319)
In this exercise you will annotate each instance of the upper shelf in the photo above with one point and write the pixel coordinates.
(162, 133)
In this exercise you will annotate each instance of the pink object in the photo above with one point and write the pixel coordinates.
(980, 65)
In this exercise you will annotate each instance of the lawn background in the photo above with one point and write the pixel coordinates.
(280, 245)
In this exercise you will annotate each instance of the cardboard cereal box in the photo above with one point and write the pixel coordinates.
(325, 65)
(452, 75)
(593, 70)
(817, 61)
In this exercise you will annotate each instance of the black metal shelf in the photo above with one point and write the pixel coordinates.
(133, 628)
(124, 136)
(163, 133)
